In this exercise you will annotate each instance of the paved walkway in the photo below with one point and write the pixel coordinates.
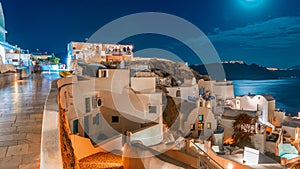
(21, 115)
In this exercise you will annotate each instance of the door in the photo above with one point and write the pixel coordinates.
(86, 126)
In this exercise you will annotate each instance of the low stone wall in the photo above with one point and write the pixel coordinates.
(56, 147)
(50, 145)
(7, 68)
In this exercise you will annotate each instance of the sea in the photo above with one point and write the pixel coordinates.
(286, 92)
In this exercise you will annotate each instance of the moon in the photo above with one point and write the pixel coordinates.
(251, 3)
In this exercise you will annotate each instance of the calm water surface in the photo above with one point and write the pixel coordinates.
(285, 91)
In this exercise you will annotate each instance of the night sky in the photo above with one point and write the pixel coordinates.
(266, 32)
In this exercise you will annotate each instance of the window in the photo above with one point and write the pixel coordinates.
(192, 127)
(152, 109)
(201, 91)
(96, 119)
(208, 125)
(99, 102)
(200, 126)
(86, 126)
(201, 118)
(87, 105)
(178, 93)
(94, 102)
(102, 73)
(75, 126)
(115, 119)
(201, 104)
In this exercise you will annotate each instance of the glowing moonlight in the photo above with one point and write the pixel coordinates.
(251, 3)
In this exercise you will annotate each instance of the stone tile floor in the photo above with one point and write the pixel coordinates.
(21, 114)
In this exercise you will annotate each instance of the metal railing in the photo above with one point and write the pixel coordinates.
(205, 161)
(163, 156)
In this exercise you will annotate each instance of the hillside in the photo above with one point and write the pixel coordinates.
(242, 71)
(296, 67)
(238, 71)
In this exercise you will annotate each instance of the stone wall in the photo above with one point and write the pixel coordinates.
(7, 78)
(67, 151)
(56, 147)
(7, 68)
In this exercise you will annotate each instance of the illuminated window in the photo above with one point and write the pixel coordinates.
(208, 125)
(201, 118)
(200, 126)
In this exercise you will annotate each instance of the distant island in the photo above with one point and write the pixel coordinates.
(238, 70)
(296, 67)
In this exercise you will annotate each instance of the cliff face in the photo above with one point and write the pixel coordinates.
(162, 77)
(178, 70)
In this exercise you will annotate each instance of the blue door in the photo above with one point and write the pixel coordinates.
(86, 126)
(75, 126)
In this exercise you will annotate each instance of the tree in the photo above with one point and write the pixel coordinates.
(53, 59)
(56, 60)
(243, 129)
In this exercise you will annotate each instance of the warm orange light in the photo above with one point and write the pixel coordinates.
(228, 141)
(229, 166)
(268, 129)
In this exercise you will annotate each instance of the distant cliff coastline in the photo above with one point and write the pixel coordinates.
(243, 71)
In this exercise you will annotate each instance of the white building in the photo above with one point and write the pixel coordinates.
(113, 104)
(263, 104)
(8, 54)
(3, 45)
(98, 52)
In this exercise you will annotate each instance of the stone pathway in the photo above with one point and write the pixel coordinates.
(21, 115)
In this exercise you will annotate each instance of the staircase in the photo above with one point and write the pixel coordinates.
(101, 161)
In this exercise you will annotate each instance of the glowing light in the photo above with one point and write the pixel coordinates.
(229, 166)
(251, 3)
(229, 141)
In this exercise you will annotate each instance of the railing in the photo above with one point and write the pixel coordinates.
(193, 98)
(205, 161)
(163, 156)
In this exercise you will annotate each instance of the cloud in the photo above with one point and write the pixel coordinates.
(279, 33)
